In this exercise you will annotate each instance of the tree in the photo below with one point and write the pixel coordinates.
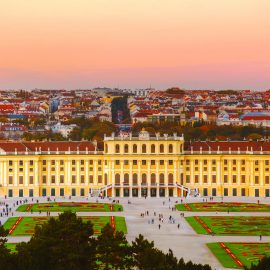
(262, 265)
(6, 258)
(62, 243)
(113, 250)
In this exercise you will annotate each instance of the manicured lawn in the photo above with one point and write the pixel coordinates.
(223, 207)
(70, 206)
(230, 225)
(246, 253)
(25, 225)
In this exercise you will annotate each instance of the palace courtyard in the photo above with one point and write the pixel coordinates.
(223, 240)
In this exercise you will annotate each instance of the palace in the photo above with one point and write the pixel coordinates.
(128, 166)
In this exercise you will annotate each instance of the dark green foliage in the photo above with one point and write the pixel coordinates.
(66, 243)
(264, 264)
(113, 250)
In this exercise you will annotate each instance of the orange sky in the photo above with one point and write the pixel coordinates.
(135, 43)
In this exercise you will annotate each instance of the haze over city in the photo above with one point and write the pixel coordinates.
(131, 44)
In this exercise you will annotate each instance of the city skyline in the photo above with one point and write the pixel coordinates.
(134, 44)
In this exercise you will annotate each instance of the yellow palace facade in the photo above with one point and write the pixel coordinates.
(135, 166)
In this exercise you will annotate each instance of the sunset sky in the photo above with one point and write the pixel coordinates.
(194, 44)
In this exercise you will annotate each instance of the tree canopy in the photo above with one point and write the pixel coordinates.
(67, 243)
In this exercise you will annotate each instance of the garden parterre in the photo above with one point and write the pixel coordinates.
(231, 225)
(70, 206)
(24, 226)
(237, 255)
(223, 207)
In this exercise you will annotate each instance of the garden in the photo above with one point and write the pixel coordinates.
(238, 255)
(70, 206)
(223, 207)
(230, 225)
(25, 226)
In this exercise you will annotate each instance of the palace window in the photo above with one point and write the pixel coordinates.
(10, 180)
(234, 178)
(135, 179)
(153, 179)
(73, 179)
(135, 148)
(161, 162)
(117, 148)
(243, 179)
(44, 179)
(91, 179)
(21, 180)
(225, 178)
(153, 162)
(196, 178)
(31, 180)
(52, 179)
(161, 179)
(135, 162)
(170, 162)
(117, 162)
(61, 179)
(126, 179)
(144, 148)
(170, 148)
(144, 179)
(170, 179)
(267, 179)
(187, 178)
(10, 162)
(153, 148)
(143, 162)
(31, 162)
(99, 179)
(125, 162)
(82, 179)
(117, 179)
(161, 148)
(126, 148)
(256, 179)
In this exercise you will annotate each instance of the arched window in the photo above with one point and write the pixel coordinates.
(170, 148)
(126, 179)
(153, 179)
(170, 179)
(117, 148)
(153, 148)
(117, 179)
(144, 148)
(126, 148)
(161, 179)
(135, 148)
(135, 179)
(144, 179)
(161, 148)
